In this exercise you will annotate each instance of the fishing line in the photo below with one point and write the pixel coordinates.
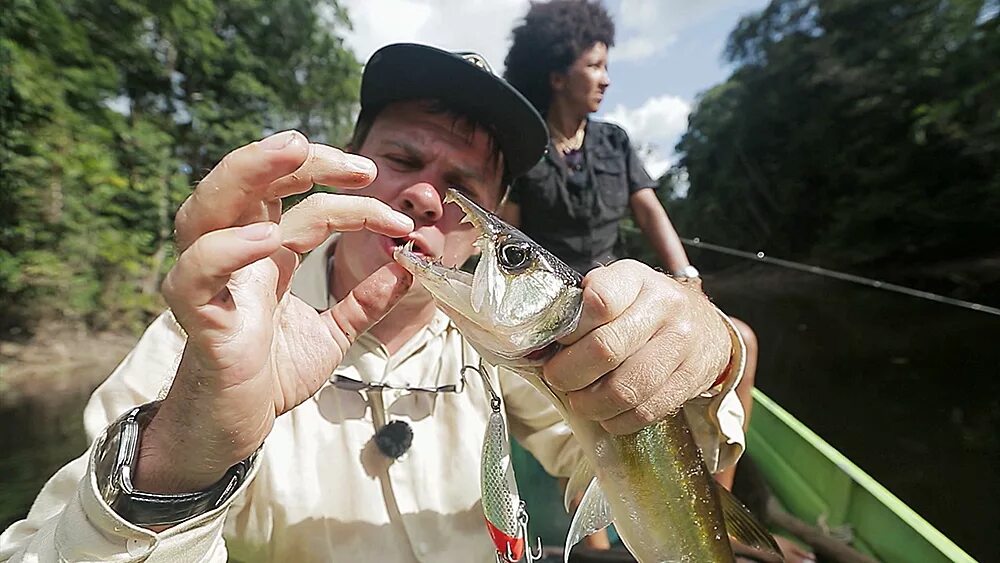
(861, 280)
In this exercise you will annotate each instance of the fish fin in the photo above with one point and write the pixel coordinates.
(578, 482)
(591, 516)
(480, 282)
(488, 282)
(744, 527)
(497, 285)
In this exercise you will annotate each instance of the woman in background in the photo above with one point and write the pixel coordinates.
(572, 202)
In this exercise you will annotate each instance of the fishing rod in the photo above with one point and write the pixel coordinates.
(877, 284)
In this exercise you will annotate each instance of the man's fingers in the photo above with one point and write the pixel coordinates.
(607, 292)
(598, 352)
(200, 275)
(621, 390)
(604, 347)
(611, 328)
(315, 218)
(673, 391)
(643, 375)
(367, 303)
(238, 184)
(635, 419)
(325, 166)
(684, 356)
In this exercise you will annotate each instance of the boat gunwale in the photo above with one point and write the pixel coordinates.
(859, 477)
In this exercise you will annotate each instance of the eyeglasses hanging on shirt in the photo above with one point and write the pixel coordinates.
(396, 436)
(349, 384)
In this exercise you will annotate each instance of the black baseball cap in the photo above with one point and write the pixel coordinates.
(465, 82)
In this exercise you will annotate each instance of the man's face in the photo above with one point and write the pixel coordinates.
(419, 155)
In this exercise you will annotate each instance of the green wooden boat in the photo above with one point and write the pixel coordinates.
(810, 479)
(822, 484)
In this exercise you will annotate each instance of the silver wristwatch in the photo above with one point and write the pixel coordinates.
(688, 271)
(115, 460)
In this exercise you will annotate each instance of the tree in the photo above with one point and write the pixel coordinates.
(112, 110)
(851, 132)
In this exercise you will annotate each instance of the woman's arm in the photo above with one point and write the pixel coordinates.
(656, 226)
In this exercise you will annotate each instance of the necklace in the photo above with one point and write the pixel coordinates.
(566, 145)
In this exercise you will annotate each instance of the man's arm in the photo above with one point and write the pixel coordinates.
(659, 231)
(241, 364)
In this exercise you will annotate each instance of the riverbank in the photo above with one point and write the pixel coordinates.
(58, 360)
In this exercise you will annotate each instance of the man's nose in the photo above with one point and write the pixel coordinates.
(421, 202)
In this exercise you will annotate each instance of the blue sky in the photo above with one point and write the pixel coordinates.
(687, 64)
(666, 52)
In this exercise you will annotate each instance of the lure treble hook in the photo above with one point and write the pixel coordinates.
(522, 520)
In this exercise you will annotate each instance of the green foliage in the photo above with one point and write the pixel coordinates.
(111, 111)
(851, 132)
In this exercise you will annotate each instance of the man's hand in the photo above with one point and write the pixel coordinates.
(254, 351)
(645, 345)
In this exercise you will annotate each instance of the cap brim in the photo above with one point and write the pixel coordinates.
(408, 71)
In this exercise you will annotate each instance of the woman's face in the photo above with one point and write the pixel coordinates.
(582, 86)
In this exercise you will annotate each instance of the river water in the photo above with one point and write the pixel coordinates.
(908, 389)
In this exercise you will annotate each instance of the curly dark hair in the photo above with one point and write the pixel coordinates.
(553, 35)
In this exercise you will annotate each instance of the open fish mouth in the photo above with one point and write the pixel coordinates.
(410, 256)
(414, 258)
(415, 246)
(520, 298)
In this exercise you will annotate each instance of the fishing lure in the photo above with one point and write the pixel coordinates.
(503, 509)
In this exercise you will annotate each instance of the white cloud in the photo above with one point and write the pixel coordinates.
(636, 48)
(647, 27)
(482, 26)
(654, 129)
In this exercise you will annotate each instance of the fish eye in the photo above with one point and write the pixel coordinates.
(514, 255)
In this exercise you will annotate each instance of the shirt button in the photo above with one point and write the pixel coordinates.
(137, 546)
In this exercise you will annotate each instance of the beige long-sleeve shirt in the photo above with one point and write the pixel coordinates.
(320, 490)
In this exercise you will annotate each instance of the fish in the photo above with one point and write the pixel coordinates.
(653, 484)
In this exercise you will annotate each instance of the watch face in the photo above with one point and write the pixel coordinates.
(106, 468)
(116, 454)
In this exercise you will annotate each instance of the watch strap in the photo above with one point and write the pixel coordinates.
(167, 509)
(115, 462)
